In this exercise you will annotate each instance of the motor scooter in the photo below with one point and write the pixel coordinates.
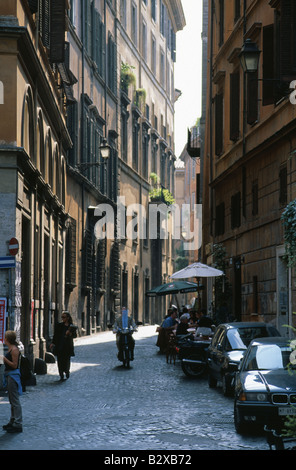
(126, 346)
(193, 355)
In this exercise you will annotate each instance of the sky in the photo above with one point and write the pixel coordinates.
(188, 72)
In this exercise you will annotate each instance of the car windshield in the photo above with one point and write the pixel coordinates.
(268, 357)
(240, 338)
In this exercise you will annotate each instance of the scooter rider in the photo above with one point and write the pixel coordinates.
(122, 322)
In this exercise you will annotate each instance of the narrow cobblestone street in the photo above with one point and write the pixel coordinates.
(103, 406)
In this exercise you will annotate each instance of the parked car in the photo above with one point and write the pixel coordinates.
(227, 348)
(265, 385)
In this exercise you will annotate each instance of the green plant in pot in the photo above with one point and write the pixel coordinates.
(127, 77)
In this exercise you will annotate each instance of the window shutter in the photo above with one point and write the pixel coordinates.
(283, 185)
(57, 31)
(234, 106)
(220, 219)
(235, 210)
(71, 254)
(286, 40)
(219, 124)
(44, 21)
(33, 4)
(252, 94)
(268, 65)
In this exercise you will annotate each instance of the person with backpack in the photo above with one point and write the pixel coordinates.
(12, 380)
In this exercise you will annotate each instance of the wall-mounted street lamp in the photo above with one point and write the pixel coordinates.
(249, 56)
(105, 151)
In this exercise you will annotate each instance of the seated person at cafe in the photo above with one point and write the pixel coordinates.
(182, 328)
(168, 325)
(205, 325)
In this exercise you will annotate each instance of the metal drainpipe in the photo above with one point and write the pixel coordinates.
(211, 117)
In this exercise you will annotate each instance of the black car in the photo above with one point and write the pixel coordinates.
(227, 348)
(265, 385)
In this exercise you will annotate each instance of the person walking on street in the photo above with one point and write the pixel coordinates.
(12, 380)
(63, 344)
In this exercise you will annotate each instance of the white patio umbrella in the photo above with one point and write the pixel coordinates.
(197, 270)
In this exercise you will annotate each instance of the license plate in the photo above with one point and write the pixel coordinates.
(287, 411)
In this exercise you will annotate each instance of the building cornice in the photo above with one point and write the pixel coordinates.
(176, 13)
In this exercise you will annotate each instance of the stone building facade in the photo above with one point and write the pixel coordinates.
(34, 141)
(249, 165)
(61, 99)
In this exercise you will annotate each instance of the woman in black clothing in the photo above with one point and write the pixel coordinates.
(63, 344)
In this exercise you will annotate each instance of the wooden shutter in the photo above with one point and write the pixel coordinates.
(268, 65)
(44, 21)
(234, 106)
(71, 254)
(286, 40)
(283, 185)
(219, 124)
(252, 97)
(220, 219)
(57, 31)
(235, 210)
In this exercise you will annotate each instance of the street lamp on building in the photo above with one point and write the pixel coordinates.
(249, 56)
(105, 151)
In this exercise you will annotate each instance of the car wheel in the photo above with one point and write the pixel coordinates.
(212, 381)
(226, 386)
(192, 369)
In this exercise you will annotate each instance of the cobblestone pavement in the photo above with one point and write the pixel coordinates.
(104, 406)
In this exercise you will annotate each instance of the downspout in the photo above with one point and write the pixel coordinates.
(211, 119)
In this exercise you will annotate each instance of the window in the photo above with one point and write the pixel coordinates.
(99, 46)
(135, 140)
(145, 149)
(153, 54)
(153, 9)
(284, 47)
(52, 25)
(162, 68)
(112, 64)
(124, 132)
(123, 13)
(235, 210)
(162, 18)
(236, 10)
(221, 22)
(72, 124)
(144, 40)
(134, 24)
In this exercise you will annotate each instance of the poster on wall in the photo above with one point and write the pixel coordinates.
(3, 314)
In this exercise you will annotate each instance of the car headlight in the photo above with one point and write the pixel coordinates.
(253, 396)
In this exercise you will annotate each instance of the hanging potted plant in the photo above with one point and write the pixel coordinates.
(158, 194)
(127, 77)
